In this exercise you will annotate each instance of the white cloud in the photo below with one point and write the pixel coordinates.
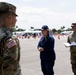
(28, 0)
(31, 10)
(39, 16)
(3, 0)
(9, 1)
(63, 4)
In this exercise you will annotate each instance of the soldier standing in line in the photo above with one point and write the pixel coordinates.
(9, 45)
(72, 38)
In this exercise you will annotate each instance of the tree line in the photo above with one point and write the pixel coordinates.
(54, 30)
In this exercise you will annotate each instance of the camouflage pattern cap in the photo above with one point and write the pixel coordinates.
(73, 24)
(6, 7)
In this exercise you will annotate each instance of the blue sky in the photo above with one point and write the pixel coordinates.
(54, 13)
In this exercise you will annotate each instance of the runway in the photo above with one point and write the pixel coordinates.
(30, 62)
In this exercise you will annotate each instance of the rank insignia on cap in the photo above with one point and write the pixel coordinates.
(11, 44)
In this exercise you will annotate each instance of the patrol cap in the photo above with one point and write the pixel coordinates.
(45, 27)
(73, 24)
(6, 7)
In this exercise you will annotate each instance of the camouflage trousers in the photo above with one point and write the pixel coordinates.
(10, 71)
(73, 62)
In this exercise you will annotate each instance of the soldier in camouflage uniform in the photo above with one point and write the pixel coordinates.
(9, 44)
(72, 38)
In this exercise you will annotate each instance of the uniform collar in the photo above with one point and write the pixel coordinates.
(8, 29)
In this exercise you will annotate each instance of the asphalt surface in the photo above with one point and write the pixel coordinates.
(30, 62)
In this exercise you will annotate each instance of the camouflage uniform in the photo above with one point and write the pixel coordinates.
(9, 47)
(72, 38)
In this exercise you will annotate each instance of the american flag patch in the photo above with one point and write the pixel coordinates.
(11, 44)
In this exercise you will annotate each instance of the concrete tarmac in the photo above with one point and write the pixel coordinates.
(30, 62)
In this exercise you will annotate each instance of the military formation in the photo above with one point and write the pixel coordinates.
(10, 47)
